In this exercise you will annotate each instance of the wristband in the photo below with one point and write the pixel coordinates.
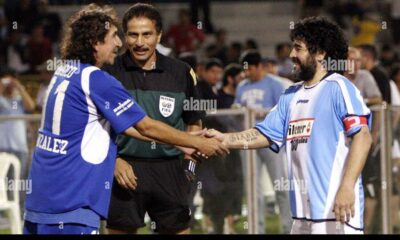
(190, 168)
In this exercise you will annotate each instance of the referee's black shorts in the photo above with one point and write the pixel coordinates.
(162, 191)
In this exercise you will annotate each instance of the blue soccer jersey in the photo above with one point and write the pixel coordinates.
(73, 162)
(316, 123)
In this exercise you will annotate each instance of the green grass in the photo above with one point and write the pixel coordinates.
(272, 226)
(5, 231)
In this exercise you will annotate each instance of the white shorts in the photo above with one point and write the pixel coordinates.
(327, 227)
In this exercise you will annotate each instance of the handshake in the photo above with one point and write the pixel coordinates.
(210, 144)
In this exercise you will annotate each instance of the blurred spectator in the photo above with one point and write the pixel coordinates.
(310, 8)
(3, 32)
(366, 27)
(259, 91)
(16, 52)
(363, 79)
(3, 24)
(251, 44)
(45, 77)
(21, 14)
(285, 64)
(51, 22)
(388, 57)
(39, 47)
(395, 75)
(369, 57)
(218, 49)
(233, 181)
(371, 172)
(201, 69)
(270, 66)
(341, 10)
(234, 52)
(224, 202)
(369, 90)
(204, 6)
(14, 100)
(189, 58)
(395, 20)
(184, 36)
(233, 75)
(210, 50)
(394, 201)
(211, 80)
(211, 173)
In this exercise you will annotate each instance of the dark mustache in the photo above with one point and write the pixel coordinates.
(140, 49)
(295, 60)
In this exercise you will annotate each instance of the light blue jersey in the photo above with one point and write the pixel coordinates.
(316, 123)
(262, 94)
(73, 162)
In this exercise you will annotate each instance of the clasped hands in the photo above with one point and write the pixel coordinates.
(212, 145)
(209, 144)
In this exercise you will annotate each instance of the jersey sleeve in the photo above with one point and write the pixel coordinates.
(192, 93)
(114, 102)
(350, 108)
(273, 126)
(278, 90)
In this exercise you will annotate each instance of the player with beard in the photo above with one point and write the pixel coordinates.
(324, 124)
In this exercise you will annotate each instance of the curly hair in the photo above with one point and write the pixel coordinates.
(84, 29)
(319, 34)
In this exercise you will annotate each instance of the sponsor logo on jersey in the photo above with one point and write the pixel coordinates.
(166, 105)
(300, 128)
(302, 101)
(122, 107)
(299, 131)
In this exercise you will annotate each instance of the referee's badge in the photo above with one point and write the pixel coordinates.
(166, 106)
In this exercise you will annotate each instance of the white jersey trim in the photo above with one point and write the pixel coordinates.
(96, 139)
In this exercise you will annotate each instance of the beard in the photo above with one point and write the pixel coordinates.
(307, 70)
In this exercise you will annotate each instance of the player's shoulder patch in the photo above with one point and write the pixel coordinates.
(194, 78)
(294, 88)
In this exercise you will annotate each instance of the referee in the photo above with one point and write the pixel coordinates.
(150, 177)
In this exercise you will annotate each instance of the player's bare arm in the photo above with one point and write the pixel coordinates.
(132, 132)
(344, 202)
(248, 139)
(123, 171)
(164, 133)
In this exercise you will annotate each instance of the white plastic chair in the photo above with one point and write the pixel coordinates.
(12, 206)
